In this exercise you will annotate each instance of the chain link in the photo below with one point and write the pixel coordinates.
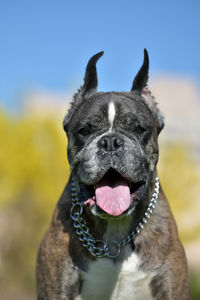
(100, 248)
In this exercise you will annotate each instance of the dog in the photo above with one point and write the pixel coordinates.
(112, 235)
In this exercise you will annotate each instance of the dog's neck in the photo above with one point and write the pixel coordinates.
(117, 229)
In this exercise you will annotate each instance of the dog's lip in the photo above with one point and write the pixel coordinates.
(137, 189)
(112, 174)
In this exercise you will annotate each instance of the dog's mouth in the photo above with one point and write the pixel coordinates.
(114, 195)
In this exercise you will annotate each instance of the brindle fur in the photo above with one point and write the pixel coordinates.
(61, 257)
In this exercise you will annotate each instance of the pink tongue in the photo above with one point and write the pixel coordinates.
(113, 200)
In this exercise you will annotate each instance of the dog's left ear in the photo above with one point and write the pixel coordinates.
(140, 86)
(89, 87)
(141, 79)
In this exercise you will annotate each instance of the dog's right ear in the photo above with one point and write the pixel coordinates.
(90, 79)
(89, 87)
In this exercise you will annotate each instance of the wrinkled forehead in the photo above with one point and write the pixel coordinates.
(113, 104)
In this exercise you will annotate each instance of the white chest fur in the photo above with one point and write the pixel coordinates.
(106, 280)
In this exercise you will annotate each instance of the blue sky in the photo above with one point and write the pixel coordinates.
(45, 45)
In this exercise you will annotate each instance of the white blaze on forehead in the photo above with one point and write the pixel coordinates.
(111, 114)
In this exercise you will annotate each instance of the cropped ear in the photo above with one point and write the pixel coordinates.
(90, 79)
(141, 79)
(140, 86)
(89, 87)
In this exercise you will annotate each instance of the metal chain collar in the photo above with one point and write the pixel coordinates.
(100, 248)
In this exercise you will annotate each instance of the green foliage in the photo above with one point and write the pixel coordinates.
(195, 286)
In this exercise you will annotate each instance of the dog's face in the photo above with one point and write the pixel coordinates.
(112, 143)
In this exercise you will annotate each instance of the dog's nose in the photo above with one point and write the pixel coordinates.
(110, 143)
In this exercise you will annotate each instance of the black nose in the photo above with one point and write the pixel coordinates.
(110, 143)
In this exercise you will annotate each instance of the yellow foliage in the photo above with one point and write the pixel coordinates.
(33, 159)
(33, 173)
(180, 177)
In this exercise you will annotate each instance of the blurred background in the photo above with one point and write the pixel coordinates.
(45, 46)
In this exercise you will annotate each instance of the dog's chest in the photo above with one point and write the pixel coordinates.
(108, 280)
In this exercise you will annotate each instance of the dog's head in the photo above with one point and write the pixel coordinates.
(112, 142)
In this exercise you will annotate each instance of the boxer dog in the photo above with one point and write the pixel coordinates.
(112, 235)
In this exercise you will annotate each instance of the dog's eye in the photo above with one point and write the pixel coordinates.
(139, 129)
(84, 131)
